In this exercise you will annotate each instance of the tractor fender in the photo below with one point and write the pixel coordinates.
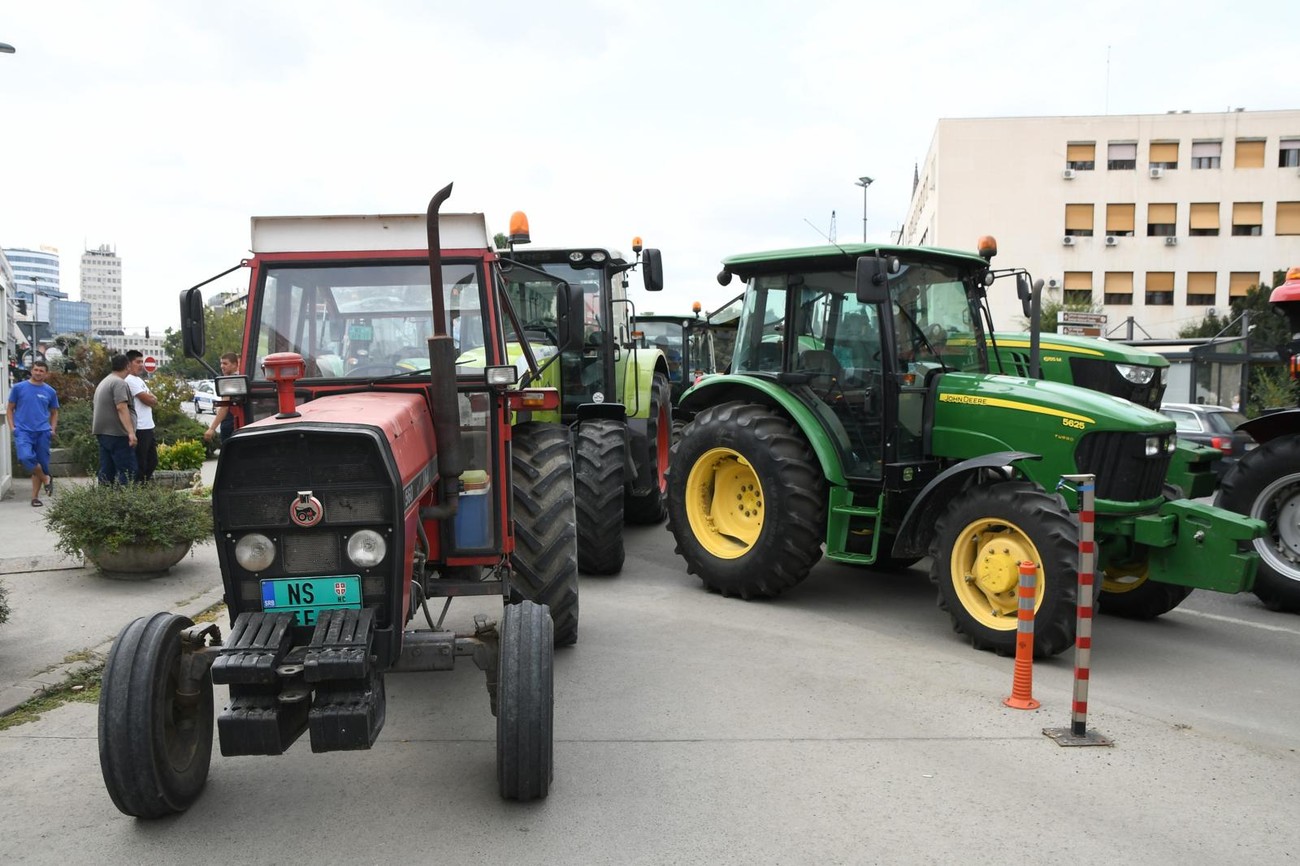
(1272, 425)
(915, 532)
(639, 370)
(727, 388)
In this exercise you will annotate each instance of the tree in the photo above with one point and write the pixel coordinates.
(225, 333)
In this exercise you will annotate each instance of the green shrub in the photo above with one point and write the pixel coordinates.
(99, 517)
(186, 454)
(4, 603)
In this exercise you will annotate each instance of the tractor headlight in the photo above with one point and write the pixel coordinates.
(366, 548)
(255, 552)
(1136, 374)
(1155, 447)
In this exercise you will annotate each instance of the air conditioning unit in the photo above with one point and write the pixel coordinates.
(1112, 240)
(1171, 241)
(1068, 174)
(1067, 241)
(1157, 173)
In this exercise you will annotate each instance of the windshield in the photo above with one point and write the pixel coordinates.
(366, 320)
(933, 316)
(533, 297)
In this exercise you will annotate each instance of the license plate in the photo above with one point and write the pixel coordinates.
(306, 597)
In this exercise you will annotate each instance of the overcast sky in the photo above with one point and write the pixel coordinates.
(160, 126)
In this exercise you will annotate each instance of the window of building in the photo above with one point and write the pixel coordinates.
(1288, 153)
(1247, 218)
(1250, 153)
(1288, 218)
(1161, 220)
(1121, 156)
(1205, 219)
(1200, 289)
(1119, 219)
(1078, 220)
(1164, 154)
(1160, 288)
(1077, 288)
(1081, 156)
(1206, 154)
(1240, 282)
(1119, 288)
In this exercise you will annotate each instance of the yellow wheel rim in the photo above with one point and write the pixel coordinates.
(1124, 578)
(985, 569)
(724, 503)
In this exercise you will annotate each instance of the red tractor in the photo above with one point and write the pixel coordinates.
(376, 469)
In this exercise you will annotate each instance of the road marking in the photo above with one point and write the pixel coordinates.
(1235, 621)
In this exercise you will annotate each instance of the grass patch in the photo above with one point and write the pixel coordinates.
(212, 614)
(81, 686)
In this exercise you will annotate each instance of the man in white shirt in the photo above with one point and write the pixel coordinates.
(146, 446)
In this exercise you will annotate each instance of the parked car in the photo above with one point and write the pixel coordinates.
(1213, 427)
(205, 397)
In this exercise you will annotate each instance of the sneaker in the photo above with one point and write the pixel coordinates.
(49, 485)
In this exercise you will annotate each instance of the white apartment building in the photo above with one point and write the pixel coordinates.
(101, 287)
(1157, 217)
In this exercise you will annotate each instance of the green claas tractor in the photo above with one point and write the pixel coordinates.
(362, 484)
(575, 316)
(861, 419)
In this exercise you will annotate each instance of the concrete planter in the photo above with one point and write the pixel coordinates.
(174, 479)
(133, 562)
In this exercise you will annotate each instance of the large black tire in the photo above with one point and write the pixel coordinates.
(525, 703)
(979, 543)
(1127, 592)
(650, 507)
(546, 537)
(155, 744)
(599, 452)
(746, 501)
(1265, 484)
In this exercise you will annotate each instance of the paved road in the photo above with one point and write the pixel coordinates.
(843, 723)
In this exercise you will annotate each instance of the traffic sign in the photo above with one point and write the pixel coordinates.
(150, 363)
(1094, 320)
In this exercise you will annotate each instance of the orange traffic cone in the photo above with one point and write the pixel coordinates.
(1022, 682)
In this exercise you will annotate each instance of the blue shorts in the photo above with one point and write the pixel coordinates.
(33, 448)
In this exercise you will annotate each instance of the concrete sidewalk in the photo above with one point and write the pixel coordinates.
(63, 613)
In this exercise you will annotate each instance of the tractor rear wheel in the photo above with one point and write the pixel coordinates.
(650, 507)
(155, 734)
(746, 501)
(1265, 484)
(546, 548)
(1126, 591)
(525, 702)
(598, 481)
(980, 541)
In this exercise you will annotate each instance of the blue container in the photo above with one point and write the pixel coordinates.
(473, 525)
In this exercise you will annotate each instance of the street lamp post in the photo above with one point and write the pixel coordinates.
(864, 182)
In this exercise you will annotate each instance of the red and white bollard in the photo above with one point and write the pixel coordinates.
(1077, 734)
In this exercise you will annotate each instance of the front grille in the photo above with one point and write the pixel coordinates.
(266, 510)
(303, 460)
(311, 553)
(1122, 469)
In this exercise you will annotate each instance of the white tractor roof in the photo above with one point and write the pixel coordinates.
(345, 233)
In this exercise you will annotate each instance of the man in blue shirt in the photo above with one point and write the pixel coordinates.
(33, 413)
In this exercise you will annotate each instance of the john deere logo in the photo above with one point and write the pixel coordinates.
(306, 510)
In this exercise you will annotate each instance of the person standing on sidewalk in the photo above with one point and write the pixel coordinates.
(113, 423)
(222, 420)
(33, 413)
(146, 445)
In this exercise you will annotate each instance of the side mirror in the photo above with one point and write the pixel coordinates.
(872, 278)
(193, 339)
(652, 270)
(568, 317)
(1023, 292)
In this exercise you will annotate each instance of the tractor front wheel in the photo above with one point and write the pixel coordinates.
(1265, 484)
(650, 507)
(980, 541)
(1126, 591)
(525, 702)
(155, 726)
(546, 548)
(598, 479)
(746, 501)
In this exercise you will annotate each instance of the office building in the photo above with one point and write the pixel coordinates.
(36, 283)
(1158, 219)
(101, 287)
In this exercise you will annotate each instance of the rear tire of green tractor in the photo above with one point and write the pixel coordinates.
(525, 703)
(979, 543)
(155, 743)
(1265, 484)
(546, 537)
(746, 501)
(598, 481)
(650, 507)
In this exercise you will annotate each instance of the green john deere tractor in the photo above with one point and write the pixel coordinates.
(861, 419)
(575, 317)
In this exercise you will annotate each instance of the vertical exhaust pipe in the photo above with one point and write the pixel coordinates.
(442, 376)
